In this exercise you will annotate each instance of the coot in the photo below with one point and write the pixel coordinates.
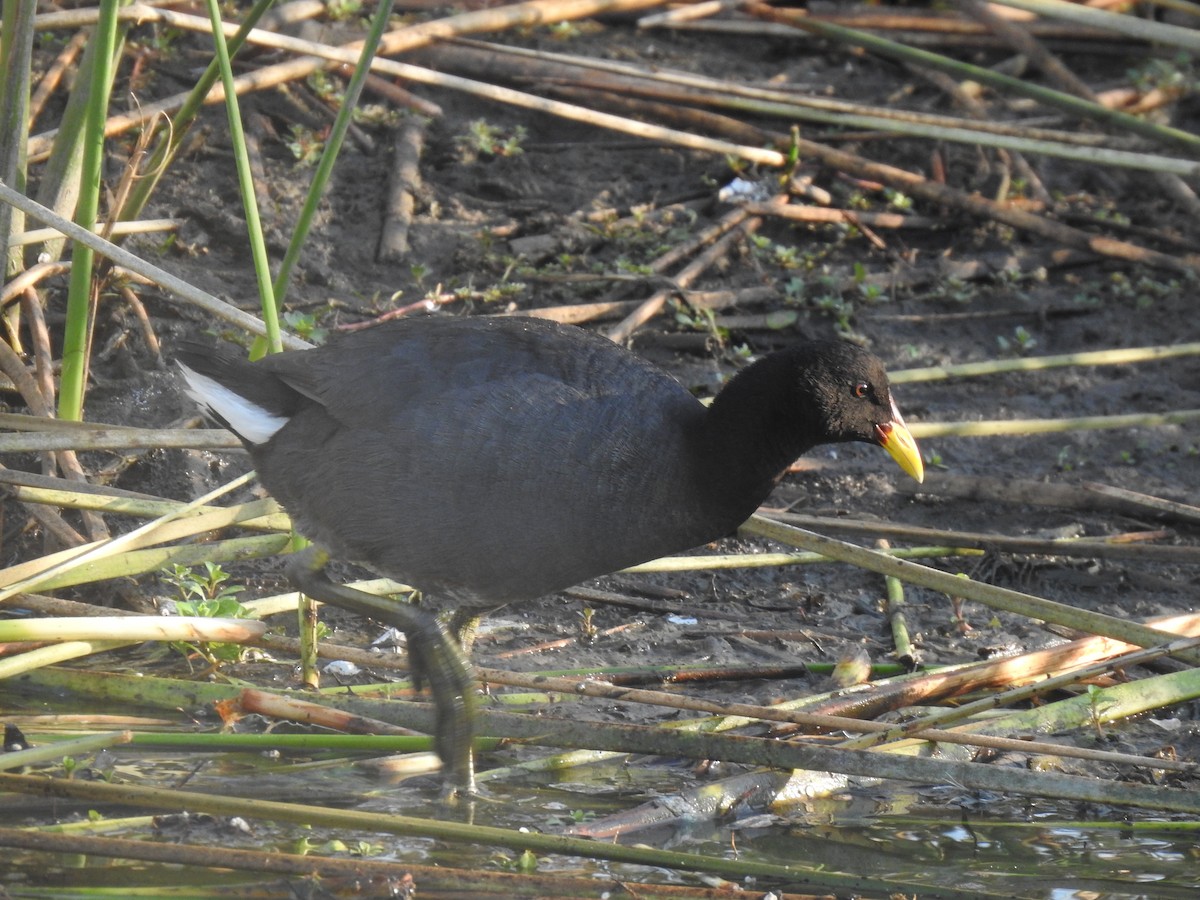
(491, 460)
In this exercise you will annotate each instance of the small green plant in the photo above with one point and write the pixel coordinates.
(207, 594)
(341, 10)
(377, 115)
(326, 87)
(526, 862)
(701, 320)
(485, 139)
(858, 200)
(1174, 76)
(587, 625)
(955, 290)
(365, 849)
(1094, 709)
(897, 200)
(839, 308)
(870, 292)
(1021, 342)
(502, 291)
(626, 266)
(793, 290)
(305, 145)
(1143, 291)
(195, 586)
(163, 40)
(783, 255)
(306, 325)
(565, 31)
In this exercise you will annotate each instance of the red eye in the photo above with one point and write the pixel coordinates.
(861, 390)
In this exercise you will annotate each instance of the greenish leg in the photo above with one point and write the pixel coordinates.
(435, 656)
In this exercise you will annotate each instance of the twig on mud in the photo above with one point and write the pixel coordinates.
(1041, 493)
(1155, 506)
(948, 27)
(319, 56)
(1149, 30)
(902, 646)
(996, 427)
(94, 437)
(1019, 37)
(112, 558)
(279, 706)
(1039, 673)
(944, 195)
(65, 459)
(396, 95)
(979, 111)
(1085, 548)
(905, 181)
(54, 75)
(633, 87)
(623, 628)
(734, 225)
(517, 63)
(54, 524)
(1116, 356)
(404, 182)
(826, 216)
(142, 226)
(989, 595)
(29, 387)
(1184, 140)
(578, 313)
(122, 257)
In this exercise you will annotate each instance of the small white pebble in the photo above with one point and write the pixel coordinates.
(682, 620)
(742, 191)
(340, 668)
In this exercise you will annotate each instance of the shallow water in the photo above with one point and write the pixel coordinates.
(933, 838)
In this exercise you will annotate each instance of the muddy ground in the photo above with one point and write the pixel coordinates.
(475, 213)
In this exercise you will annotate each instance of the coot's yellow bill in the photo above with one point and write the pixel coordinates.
(896, 439)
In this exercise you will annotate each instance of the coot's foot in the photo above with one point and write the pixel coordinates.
(434, 657)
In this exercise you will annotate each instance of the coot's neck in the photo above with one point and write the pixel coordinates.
(760, 422)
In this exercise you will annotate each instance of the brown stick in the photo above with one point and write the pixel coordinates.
(733, 225)
(823, 215)
(517, 15)
(1037, 493)
(1001, 673)
(1018, 36)
(404, 184)
(1094, 548)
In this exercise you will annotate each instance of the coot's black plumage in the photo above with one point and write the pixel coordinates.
(491, 460)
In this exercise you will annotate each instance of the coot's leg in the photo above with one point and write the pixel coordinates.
(433, 656)
(464, 625)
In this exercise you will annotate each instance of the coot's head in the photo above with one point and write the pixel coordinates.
(852, 401)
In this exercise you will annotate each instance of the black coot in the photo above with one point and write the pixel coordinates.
(491, 460)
